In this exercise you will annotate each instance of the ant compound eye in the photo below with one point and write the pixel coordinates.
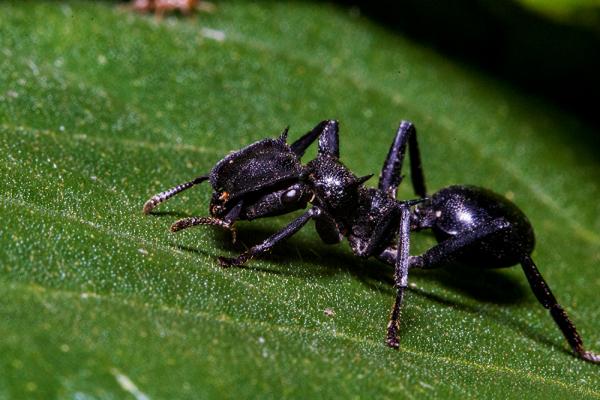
(291, 196)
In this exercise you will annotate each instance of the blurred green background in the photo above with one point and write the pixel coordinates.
(547, 48)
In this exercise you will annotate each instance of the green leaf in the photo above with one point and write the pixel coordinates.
(583, 13)
(100, 109)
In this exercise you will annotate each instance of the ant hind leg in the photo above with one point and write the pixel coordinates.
(542, 291)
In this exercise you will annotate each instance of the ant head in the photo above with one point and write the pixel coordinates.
(264, 176)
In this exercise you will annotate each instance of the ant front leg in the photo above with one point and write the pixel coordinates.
(167, 194)
(327, 229)
(268, 244)
(324, 128)
(225, 223)
(390, 177)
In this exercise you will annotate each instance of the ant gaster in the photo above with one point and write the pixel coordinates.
(473, 226)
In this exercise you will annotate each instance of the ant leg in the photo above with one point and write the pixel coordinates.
(542, 291)
(324, 128)
(434, 258)
(390, 177)
(327, 229)
(268, 243)
(444, 252)
(167, 194)
(329, 140)
(400, 276)
(225, 223)
(382, 223)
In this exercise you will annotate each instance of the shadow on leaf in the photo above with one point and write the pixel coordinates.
(482, 285)
(485, 285)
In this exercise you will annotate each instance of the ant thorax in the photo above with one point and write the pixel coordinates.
(334, 186)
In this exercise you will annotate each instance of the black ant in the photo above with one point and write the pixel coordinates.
(473, 226)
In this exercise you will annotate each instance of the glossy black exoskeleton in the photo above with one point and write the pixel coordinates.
(260, 180)
(473, 226)
(502, 233)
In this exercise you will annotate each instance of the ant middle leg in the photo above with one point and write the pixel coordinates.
(436, 257)
(390, 177)
(327, 229)
(401, 265)
(445, 252)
